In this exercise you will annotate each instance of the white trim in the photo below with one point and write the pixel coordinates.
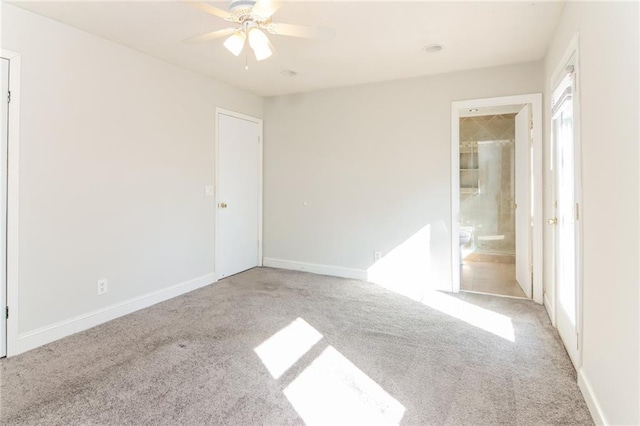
(314, 268)
(535, 99)
(590, 398)
(577, 146)
(559, 72)
(455, 196)
(13, 198)
(260, 124)
(48, 334)
(537, 245)
(551, 310)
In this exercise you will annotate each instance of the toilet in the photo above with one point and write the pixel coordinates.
(465, 237)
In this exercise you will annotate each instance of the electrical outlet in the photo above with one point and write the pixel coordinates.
(377, 255)
(103, 286)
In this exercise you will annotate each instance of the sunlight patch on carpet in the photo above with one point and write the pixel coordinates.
(287, 346)
(332, 390)
(493, 322)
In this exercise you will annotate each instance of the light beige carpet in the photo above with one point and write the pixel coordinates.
(277, 347)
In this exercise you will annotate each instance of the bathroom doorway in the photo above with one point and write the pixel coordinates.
(495, 193)
(489, 171)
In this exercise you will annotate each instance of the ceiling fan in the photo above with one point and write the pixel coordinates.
(252, 19)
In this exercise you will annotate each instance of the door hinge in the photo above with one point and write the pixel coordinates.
(531, 132)
(9, 96)
(7, 317)
(577, 211)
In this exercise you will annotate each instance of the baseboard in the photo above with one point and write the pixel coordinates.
(446, 286)
(51, 333)
(590, 399)
(550, 309)
(335, 271)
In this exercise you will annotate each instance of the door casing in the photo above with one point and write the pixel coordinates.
(13, 173)
(219, 111)
(570, 54)
(523, 200)
(535, 100)
(3, 201)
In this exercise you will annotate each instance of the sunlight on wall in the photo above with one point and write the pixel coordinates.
(287, 346)
(406, 269)
(332, 390)
(493, 322)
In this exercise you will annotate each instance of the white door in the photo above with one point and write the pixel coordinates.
(4, 91)
(238, 197)
(523, 200)
(566, 218)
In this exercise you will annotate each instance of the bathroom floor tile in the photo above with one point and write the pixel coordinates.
(490, 277)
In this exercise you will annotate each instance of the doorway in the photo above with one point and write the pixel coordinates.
(496, 196)
(238, 195)
(494, 180)
(566, 225)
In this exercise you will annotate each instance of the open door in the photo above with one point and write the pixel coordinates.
(523, 193)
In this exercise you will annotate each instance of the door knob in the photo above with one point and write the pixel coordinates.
(553, 221)
(223, 205)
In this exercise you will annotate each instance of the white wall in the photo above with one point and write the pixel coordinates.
(609, 100)
(115, 150)
(373, 164)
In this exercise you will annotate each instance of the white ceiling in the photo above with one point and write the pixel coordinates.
(375, 41)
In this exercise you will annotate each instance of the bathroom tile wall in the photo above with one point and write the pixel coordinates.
(487, 181)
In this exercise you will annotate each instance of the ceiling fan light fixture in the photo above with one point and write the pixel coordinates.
(259, 42)
(251, 21)
(235, 43)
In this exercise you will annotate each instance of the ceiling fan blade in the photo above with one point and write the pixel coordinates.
(210, 36)
(265, 8)
(211, 10)
(302, 31)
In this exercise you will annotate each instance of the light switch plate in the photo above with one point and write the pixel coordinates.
(208, 190)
